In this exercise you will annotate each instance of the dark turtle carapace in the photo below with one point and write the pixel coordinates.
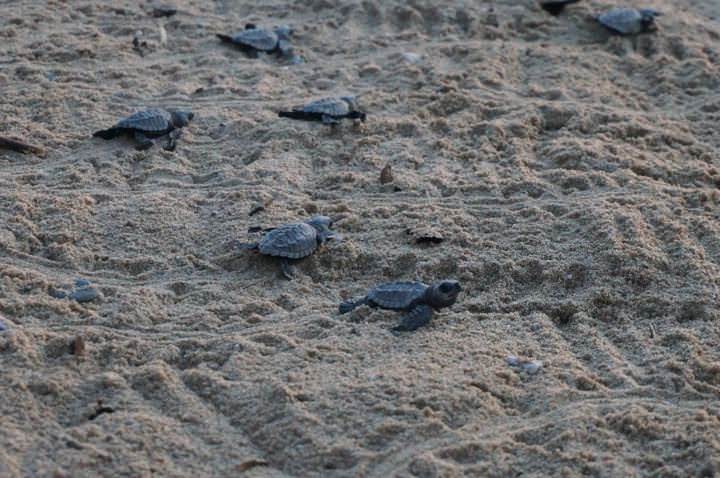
(148, 124)
(326, 110)
(294, 241)
(419, 300)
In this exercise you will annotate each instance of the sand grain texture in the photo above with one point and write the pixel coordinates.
(573, 178)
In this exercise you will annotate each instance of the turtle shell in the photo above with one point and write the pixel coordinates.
(258, 38)
(150, 121)
(328, 106)
(397, 295)
(293, 241)
(626, 21)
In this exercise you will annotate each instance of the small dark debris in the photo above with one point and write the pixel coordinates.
(256, 210)
(21, 146)
(164, 11)
(429, 240)
(99, 410)
(425, 236)
(77, 347)
(246, 465)
(139, 45)
(74, 444)
(386, 175)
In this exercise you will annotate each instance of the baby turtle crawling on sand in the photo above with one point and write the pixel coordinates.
(629, 21)
(152, 123)
(254, 40)
(328, 110)
(294, 241)
(417, 299)
(556, 7)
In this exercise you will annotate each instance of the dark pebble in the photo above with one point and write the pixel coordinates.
(82, 283)
(3, 326)
(86, 294)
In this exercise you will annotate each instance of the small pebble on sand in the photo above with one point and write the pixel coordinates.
(530, 366)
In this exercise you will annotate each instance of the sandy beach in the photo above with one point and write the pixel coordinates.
(568, 178)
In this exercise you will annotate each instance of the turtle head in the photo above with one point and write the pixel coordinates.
(647, 19)
(283, 32)
(322, 225)
(285, 49)
(443, 293)
(181, 119)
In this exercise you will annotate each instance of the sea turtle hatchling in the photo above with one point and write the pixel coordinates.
(629, 21)
(150, 123)
(327, 110)
(419, 300)
(294, 241)
(254, 40)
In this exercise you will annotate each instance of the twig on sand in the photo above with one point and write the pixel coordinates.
(20, 146)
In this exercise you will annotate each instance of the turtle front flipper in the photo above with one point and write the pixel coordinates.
(143, 142)
(287, 269)
(416, 318)
(109, 133)
(172, 139)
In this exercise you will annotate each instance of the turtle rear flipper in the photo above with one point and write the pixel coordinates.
(109, 133)
(416, 318)
(225, 38)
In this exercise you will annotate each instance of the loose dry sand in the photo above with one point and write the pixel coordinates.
(574, 177)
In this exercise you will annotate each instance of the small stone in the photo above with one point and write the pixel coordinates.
(86, 294)
(324, 84)
(529, 366)
(3, 325)
(532, 367)
(413, 58)
(369, 70)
